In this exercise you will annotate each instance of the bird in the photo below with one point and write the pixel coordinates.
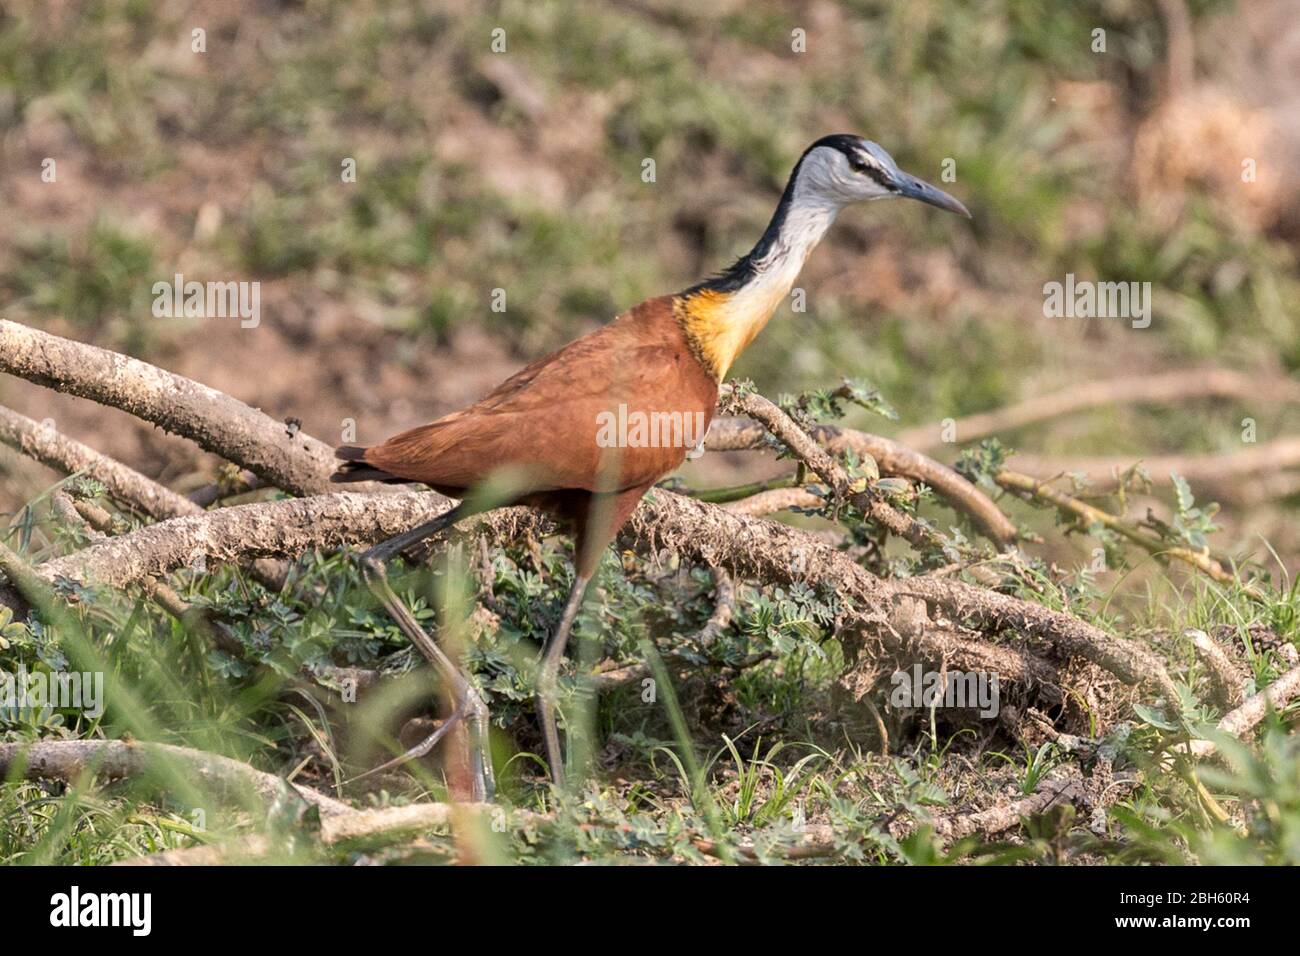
(584, 432)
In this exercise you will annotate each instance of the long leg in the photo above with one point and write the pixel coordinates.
(546, 677)
(597, 518)
(468, 704)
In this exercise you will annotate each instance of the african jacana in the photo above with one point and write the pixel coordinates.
(666, 356)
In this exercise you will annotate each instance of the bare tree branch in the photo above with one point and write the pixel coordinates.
(124, 484)
(775, 499)
(49, 447)
(1048, 794)
(763, 549)
(1227, 677)
(394, 823)
(216, 422)
(212, 419)
(724, 603)
(278, 528)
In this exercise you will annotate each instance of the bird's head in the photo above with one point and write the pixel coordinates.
(844, 169)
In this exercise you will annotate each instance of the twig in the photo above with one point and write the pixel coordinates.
(724, 603)
(892, 458)
(777, 499)
(65, 509)
(240, 482)
(784, 428)
(1034, 488)
(722, 496)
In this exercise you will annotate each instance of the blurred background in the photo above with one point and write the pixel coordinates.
(522, 170)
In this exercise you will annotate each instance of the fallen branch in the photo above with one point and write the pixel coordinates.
(65, 509)
(101, 522)
(240, 482)
(124, 484)
(1214, 471)
(724, 603)
(722, 496)
(1130, 662)
(395, 823)
(761, 550)
(824, 841)
(285, 528)
(353, 826)
(1227, 678)
(1239, 722)
(215, 421)
(1139, 389)
(69, 760)
(724, 606)
(225, 426)
(1048, 794)
(57, 451)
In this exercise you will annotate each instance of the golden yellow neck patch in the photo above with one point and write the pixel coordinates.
(720, 325)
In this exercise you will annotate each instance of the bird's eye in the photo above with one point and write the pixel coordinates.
(858, 165)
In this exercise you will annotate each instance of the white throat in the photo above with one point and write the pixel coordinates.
(724, 322)
(806, 221)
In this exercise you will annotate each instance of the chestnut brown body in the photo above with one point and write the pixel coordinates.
(541, 430)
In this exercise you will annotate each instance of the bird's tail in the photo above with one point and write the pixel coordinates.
(356, 468)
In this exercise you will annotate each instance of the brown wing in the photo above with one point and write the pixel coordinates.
(556, 424)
